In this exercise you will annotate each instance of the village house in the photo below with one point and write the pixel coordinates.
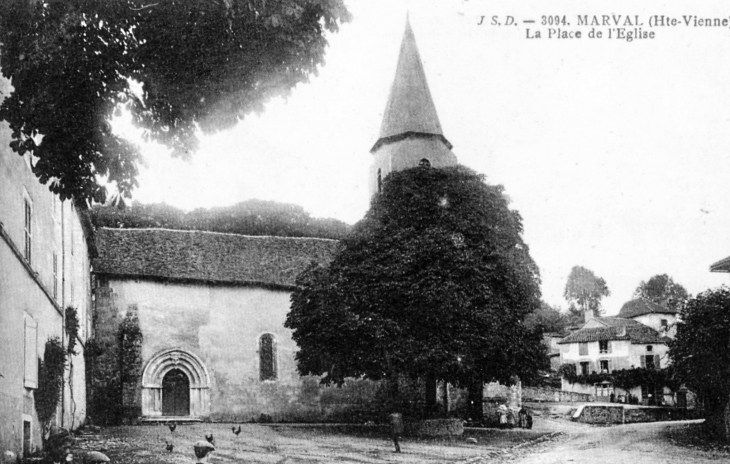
(636, 338)
(45, 251)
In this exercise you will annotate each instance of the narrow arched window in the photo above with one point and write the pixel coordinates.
(267, 357)
(424, 163)
(380, 180)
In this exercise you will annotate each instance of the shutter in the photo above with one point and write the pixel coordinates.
(656, 361)
(610, 364)
(643, 361)
(609, 347)
(30, 350)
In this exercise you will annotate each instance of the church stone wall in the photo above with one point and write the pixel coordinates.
(221, 325)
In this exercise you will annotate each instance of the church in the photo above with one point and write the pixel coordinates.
(210, 308)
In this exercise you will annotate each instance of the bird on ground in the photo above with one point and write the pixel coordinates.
(210, 439)
(172, 426)
(236, 430)
(169, 447)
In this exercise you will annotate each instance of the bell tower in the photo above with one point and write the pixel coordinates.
(410, 134)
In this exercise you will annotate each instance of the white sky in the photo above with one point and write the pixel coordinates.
(616, 154)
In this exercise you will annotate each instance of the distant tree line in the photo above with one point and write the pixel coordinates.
(251, 217)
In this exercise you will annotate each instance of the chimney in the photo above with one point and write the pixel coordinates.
(588, 314)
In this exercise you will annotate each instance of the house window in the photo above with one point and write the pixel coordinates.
(604, 346)
(649, 348)
(55, 276)
(28, 230)
(583, 349)
(650, 361)
(30, 353)
(380, 180)
(424, 163)
(664, 324)
(604, 366)
(584, 368)
(267, 357)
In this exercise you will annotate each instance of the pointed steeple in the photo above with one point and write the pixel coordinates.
(411, 134)
(410, 108)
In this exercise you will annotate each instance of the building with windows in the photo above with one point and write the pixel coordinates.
(636, 338)
(45, 251)
(211, 309)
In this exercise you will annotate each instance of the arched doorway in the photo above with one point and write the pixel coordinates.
(175, 383)
(175, 394)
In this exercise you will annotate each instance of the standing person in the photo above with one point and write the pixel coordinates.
(396, 429)
(503, 411)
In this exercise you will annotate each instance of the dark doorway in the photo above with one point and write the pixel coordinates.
(175, 394)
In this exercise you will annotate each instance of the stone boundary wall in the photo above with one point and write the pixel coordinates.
(549, 395)
(619, 414)
(435, 428)
(517, 394)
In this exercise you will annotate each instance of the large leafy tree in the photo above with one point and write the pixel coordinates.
(548, 318)
(201, 63)
(584, 291)
(434, 283)
(662, 289)
(250, 217)
(700, 355)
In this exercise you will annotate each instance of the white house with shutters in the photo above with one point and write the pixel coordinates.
(636, 338)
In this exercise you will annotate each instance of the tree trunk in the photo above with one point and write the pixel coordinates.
(717, 419)
(476, 395)
(431, 392)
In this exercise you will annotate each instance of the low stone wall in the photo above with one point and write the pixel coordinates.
(516, 394)
(547, 394)
(435, 428)
(624, 414)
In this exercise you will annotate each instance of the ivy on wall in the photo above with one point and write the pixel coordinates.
(72, 329)
(625, 378)
(50, 382)
(130, 348)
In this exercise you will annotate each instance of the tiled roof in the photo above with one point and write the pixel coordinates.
(617, 329)
(721, 266)
(208, 256)
(640, 306)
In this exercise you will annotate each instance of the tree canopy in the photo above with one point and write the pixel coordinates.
(251, 217)
(201, 64)
(549, 318)
(700, 354)
(434, 282)
(584, 291)
(663, 290)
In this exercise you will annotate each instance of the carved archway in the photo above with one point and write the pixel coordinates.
(191, 366)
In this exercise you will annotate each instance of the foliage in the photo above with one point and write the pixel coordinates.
(663, 290)
(251, 217)
(625, 379)
(584, 290)
(202, 64)
(549, 318)
(50, 381)
(130, 348)
(72, 329)
(700, 353)
(434, 282)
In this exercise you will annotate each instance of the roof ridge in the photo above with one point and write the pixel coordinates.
(164, 229)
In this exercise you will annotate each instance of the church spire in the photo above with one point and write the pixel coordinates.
(411, 133)
(410, 108)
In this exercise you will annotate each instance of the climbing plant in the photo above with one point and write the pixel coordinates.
(625, 379)
(72, 329)
(50, 381)
(130, 344)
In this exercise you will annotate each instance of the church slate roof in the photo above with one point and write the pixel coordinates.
(410, 108)
(208, 256)
(616, 329)
(640, 307)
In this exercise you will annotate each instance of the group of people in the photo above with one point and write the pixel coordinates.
(507, 418)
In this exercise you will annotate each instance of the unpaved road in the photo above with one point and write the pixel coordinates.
(624, 444)
(552, 441)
